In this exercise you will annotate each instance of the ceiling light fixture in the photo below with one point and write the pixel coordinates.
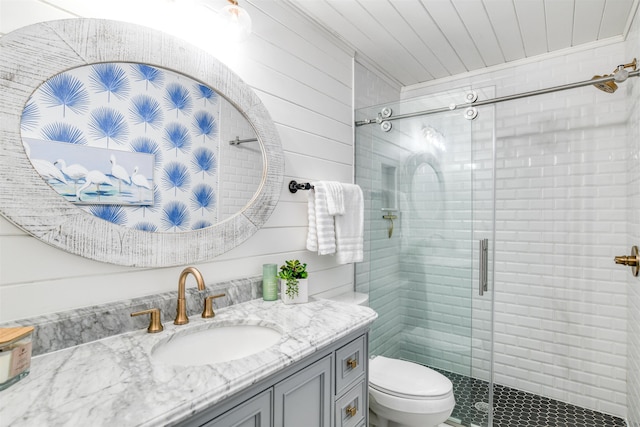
(236, 20)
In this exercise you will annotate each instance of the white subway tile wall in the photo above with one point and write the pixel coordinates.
(381, 279)
(633, 237)
(379, 273)
(241, 165)
(560, 218)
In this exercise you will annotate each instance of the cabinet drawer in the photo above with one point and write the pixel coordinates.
(350, 408)
(350, 364)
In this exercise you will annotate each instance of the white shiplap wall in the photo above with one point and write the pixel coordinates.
(304, 78)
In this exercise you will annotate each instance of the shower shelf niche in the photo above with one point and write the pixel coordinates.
(389, 188)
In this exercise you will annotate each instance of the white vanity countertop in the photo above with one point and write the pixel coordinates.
(114, 382)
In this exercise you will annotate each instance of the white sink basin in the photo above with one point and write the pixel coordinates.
(215, 344)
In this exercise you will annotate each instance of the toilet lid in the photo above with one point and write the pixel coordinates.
(407, 379)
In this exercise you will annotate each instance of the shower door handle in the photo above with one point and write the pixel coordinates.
(483, 272)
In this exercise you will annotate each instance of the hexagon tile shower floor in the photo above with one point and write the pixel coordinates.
(516, 408)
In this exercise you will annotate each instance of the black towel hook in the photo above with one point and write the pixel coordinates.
(294, 186)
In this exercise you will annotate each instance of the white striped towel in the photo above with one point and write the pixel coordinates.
(350, 226)
(321, 236)
(335, 197)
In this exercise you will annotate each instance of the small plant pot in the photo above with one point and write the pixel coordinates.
(303, 292)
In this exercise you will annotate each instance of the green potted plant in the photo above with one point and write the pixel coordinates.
(293, 282)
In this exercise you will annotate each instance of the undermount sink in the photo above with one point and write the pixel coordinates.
(215, 345)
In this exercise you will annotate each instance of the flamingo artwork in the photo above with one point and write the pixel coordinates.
(119, 172)
(96, 178)
(45, 168)
(140, 181)
(48, 171)
(74, 172)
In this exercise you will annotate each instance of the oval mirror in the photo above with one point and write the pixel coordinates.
(116, 141)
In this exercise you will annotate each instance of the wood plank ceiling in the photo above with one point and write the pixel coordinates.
(415, 41)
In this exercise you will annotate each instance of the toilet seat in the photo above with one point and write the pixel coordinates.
(403, 395)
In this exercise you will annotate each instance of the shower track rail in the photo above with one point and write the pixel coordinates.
(453, 107)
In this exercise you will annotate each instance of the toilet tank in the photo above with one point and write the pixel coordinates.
(351, 297)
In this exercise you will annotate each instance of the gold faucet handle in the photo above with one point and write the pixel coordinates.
(155, 323)
(632, 260)
(208, 306)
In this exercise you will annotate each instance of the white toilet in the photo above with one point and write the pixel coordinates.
(402, 393)
(406, 394)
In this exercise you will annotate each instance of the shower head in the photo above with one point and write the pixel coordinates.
(620, 74)
(608, 86)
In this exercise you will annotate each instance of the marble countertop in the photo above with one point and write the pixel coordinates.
(113, 381)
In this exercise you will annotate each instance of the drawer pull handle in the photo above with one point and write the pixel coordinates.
(351, 411)
(352, 363)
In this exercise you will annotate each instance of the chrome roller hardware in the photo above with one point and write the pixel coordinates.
(386, 112)
(631, 260)
(471, 97)
(386, 126)
(471, 113)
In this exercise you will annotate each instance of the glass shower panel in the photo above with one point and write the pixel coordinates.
(420, 247)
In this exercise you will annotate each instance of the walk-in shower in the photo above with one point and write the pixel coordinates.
(544, 186)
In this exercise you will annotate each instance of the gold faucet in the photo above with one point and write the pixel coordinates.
(208, 313)
(155, 321)
(181, 315)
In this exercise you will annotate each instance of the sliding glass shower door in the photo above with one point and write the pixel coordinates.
(429, 202)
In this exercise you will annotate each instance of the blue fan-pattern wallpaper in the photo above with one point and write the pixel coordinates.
(143, 109)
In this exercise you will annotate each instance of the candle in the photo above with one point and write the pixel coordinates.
(15, 354)
(5, 366)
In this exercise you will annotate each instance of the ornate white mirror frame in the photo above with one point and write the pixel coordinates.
(31, 55)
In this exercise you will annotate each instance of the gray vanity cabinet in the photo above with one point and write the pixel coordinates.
(326, 389)
(304, 399)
